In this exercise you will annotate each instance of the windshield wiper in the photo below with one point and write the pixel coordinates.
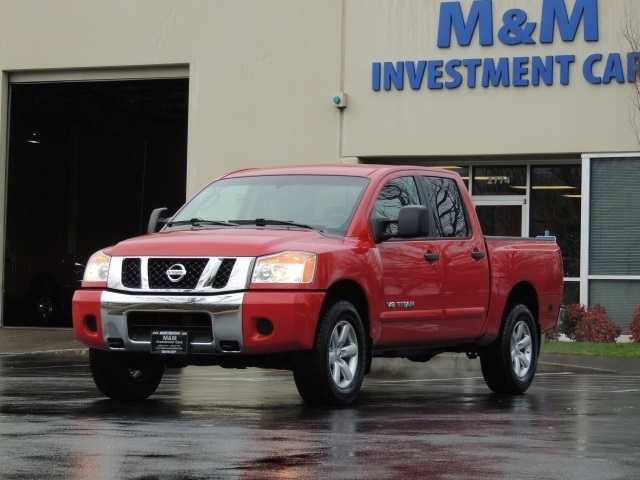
(196, 222)
(263, 222)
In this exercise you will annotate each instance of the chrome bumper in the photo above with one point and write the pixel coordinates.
(225, 312)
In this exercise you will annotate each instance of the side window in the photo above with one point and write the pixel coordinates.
(396, 194)
(448, 205)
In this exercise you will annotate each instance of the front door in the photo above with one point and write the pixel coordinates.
(502, 217)
(412, 276)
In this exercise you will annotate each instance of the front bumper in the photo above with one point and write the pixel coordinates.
(104, 320)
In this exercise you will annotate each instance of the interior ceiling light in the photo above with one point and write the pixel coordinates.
(499, 178)
(573, 196)
(448, 167)
(548, 187)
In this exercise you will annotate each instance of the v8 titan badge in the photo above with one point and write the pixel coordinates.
(169, 342)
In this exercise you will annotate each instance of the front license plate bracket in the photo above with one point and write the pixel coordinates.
(169, 342)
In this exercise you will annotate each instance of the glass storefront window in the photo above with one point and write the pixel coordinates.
(555, 210)
(500, 180)
(615, 203)
(619, 297)
(463, 171)
(613, 236)
(571, 293)
(500, 220)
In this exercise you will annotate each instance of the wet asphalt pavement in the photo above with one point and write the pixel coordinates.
(206, 422)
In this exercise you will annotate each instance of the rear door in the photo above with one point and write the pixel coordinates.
(463, 260)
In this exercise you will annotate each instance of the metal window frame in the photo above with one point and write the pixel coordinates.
(585, 245)
(92, 74)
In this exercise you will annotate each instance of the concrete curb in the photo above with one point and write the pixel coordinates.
(546, 367)
(40, 341)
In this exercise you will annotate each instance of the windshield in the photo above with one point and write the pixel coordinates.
(324, 202)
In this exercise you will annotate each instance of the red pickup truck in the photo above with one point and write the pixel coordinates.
(316, 270)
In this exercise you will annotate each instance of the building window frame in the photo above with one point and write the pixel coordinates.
(585, 277)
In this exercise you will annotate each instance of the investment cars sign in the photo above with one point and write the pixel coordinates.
(517, 27)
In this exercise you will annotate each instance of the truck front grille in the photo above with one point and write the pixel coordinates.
(131, 273)
(224, 272)
(160, 279)
(180, 274)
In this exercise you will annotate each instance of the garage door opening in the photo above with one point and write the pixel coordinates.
(87, 163)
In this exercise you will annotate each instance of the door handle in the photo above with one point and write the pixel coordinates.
(477, 255)
(432, 257)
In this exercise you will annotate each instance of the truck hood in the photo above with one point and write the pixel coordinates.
(220, 242)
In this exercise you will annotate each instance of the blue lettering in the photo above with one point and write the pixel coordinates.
(481, 13)
(456, 76)
(587, 69)
(555, 12)
(394, 75)
(565, 62)
(375, 76)
(472, 65)
(633, 66)
(542, 69)
(434, 74)
(613, 69)
(495, 75)
(415, 76)
(519, 70)
(516, 30)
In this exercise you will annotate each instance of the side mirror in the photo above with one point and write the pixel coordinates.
(413, 221)
(379, 226)
(155, 221)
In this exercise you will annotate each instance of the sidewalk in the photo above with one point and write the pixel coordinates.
(52, 341)
(59, 341)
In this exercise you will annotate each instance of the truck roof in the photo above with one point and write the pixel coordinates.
(359, 170)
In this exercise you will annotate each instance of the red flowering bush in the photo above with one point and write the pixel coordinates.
(597, 327)
(634, 326)
(575, 314)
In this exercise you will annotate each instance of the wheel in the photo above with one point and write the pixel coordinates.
(509, 363)
(125, 376)
(332, 373)
(41, 305)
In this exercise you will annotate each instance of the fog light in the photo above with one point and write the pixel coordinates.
(264, 326)
(91, 322)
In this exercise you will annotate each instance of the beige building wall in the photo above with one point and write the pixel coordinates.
(500, 120)
(261, 73)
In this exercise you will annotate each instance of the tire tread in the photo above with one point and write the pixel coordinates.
(495, 361)
(308, 372)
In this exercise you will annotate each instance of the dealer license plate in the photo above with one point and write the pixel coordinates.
(169, 342)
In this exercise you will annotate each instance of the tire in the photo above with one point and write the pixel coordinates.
(125, 376)
(509, 363)
(41, 304)
(332, 373)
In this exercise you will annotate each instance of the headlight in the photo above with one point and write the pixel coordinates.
(97, 268)
(285, 267)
